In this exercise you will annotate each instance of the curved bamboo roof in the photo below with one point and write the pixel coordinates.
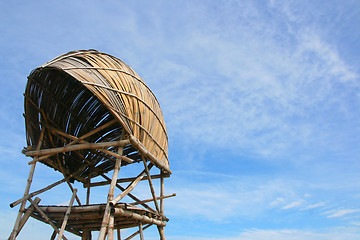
(82, 90)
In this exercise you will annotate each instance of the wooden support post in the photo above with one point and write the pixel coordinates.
(111, 228)
(151, 185)
(118, 234)
(63, 225)
(88, 191)
(130, 187)
(141, 231)
(45, 217)
(105, 221)
(37, 192)
(130, 195)
(53, 235)
(162, 193)
(161, 232)
(27, 215)
(15, 231)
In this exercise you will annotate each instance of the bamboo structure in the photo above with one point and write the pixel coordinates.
(88, 115)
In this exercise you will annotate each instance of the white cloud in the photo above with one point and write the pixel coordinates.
(312, 206)
(293, 204)
(343, 212)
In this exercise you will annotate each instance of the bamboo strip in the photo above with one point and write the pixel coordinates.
(63, 225)
(77, 147)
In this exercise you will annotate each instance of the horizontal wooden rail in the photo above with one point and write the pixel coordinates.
(76, 147)
(124, 180)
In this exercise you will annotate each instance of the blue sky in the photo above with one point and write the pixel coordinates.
(260, 98)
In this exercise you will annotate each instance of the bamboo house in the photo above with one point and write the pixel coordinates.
(88, 114)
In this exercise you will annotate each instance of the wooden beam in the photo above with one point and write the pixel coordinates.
(149, 200)
(138, 217)
(76, 147)
(124, 180)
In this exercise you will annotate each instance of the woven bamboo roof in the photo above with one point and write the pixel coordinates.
(82, 90)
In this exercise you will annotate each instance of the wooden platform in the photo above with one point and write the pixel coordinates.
(89, 217)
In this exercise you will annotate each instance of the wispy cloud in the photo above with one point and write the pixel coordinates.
(312, 206)
(293, 204)
(343, 212)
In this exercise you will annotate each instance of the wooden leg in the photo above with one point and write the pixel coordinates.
(141, 231)
(15, 231)
(118, 234)
(106, 218)
(63, 225)
(161, 233)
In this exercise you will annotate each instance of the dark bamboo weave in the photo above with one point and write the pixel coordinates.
(80, 91)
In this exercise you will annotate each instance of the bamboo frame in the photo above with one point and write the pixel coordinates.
(102, 117)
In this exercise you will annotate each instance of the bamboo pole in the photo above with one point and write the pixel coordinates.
(130, 187)
(111, 228)
(138, 217)
(76, 147)
(37, 192)
(137, 144)
(137, 232)
(131, 195)
(105, 221)
(63, 225)
(15, 231)
(118, 234)
(151, 199)
(45, 217)
(124, 180)
(162, 193)
(161, 232)
(76, 139)
(141, 231)
(88, 192)
(27, 215)
(151, 185)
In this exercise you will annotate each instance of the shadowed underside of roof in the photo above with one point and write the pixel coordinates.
(84, 90)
